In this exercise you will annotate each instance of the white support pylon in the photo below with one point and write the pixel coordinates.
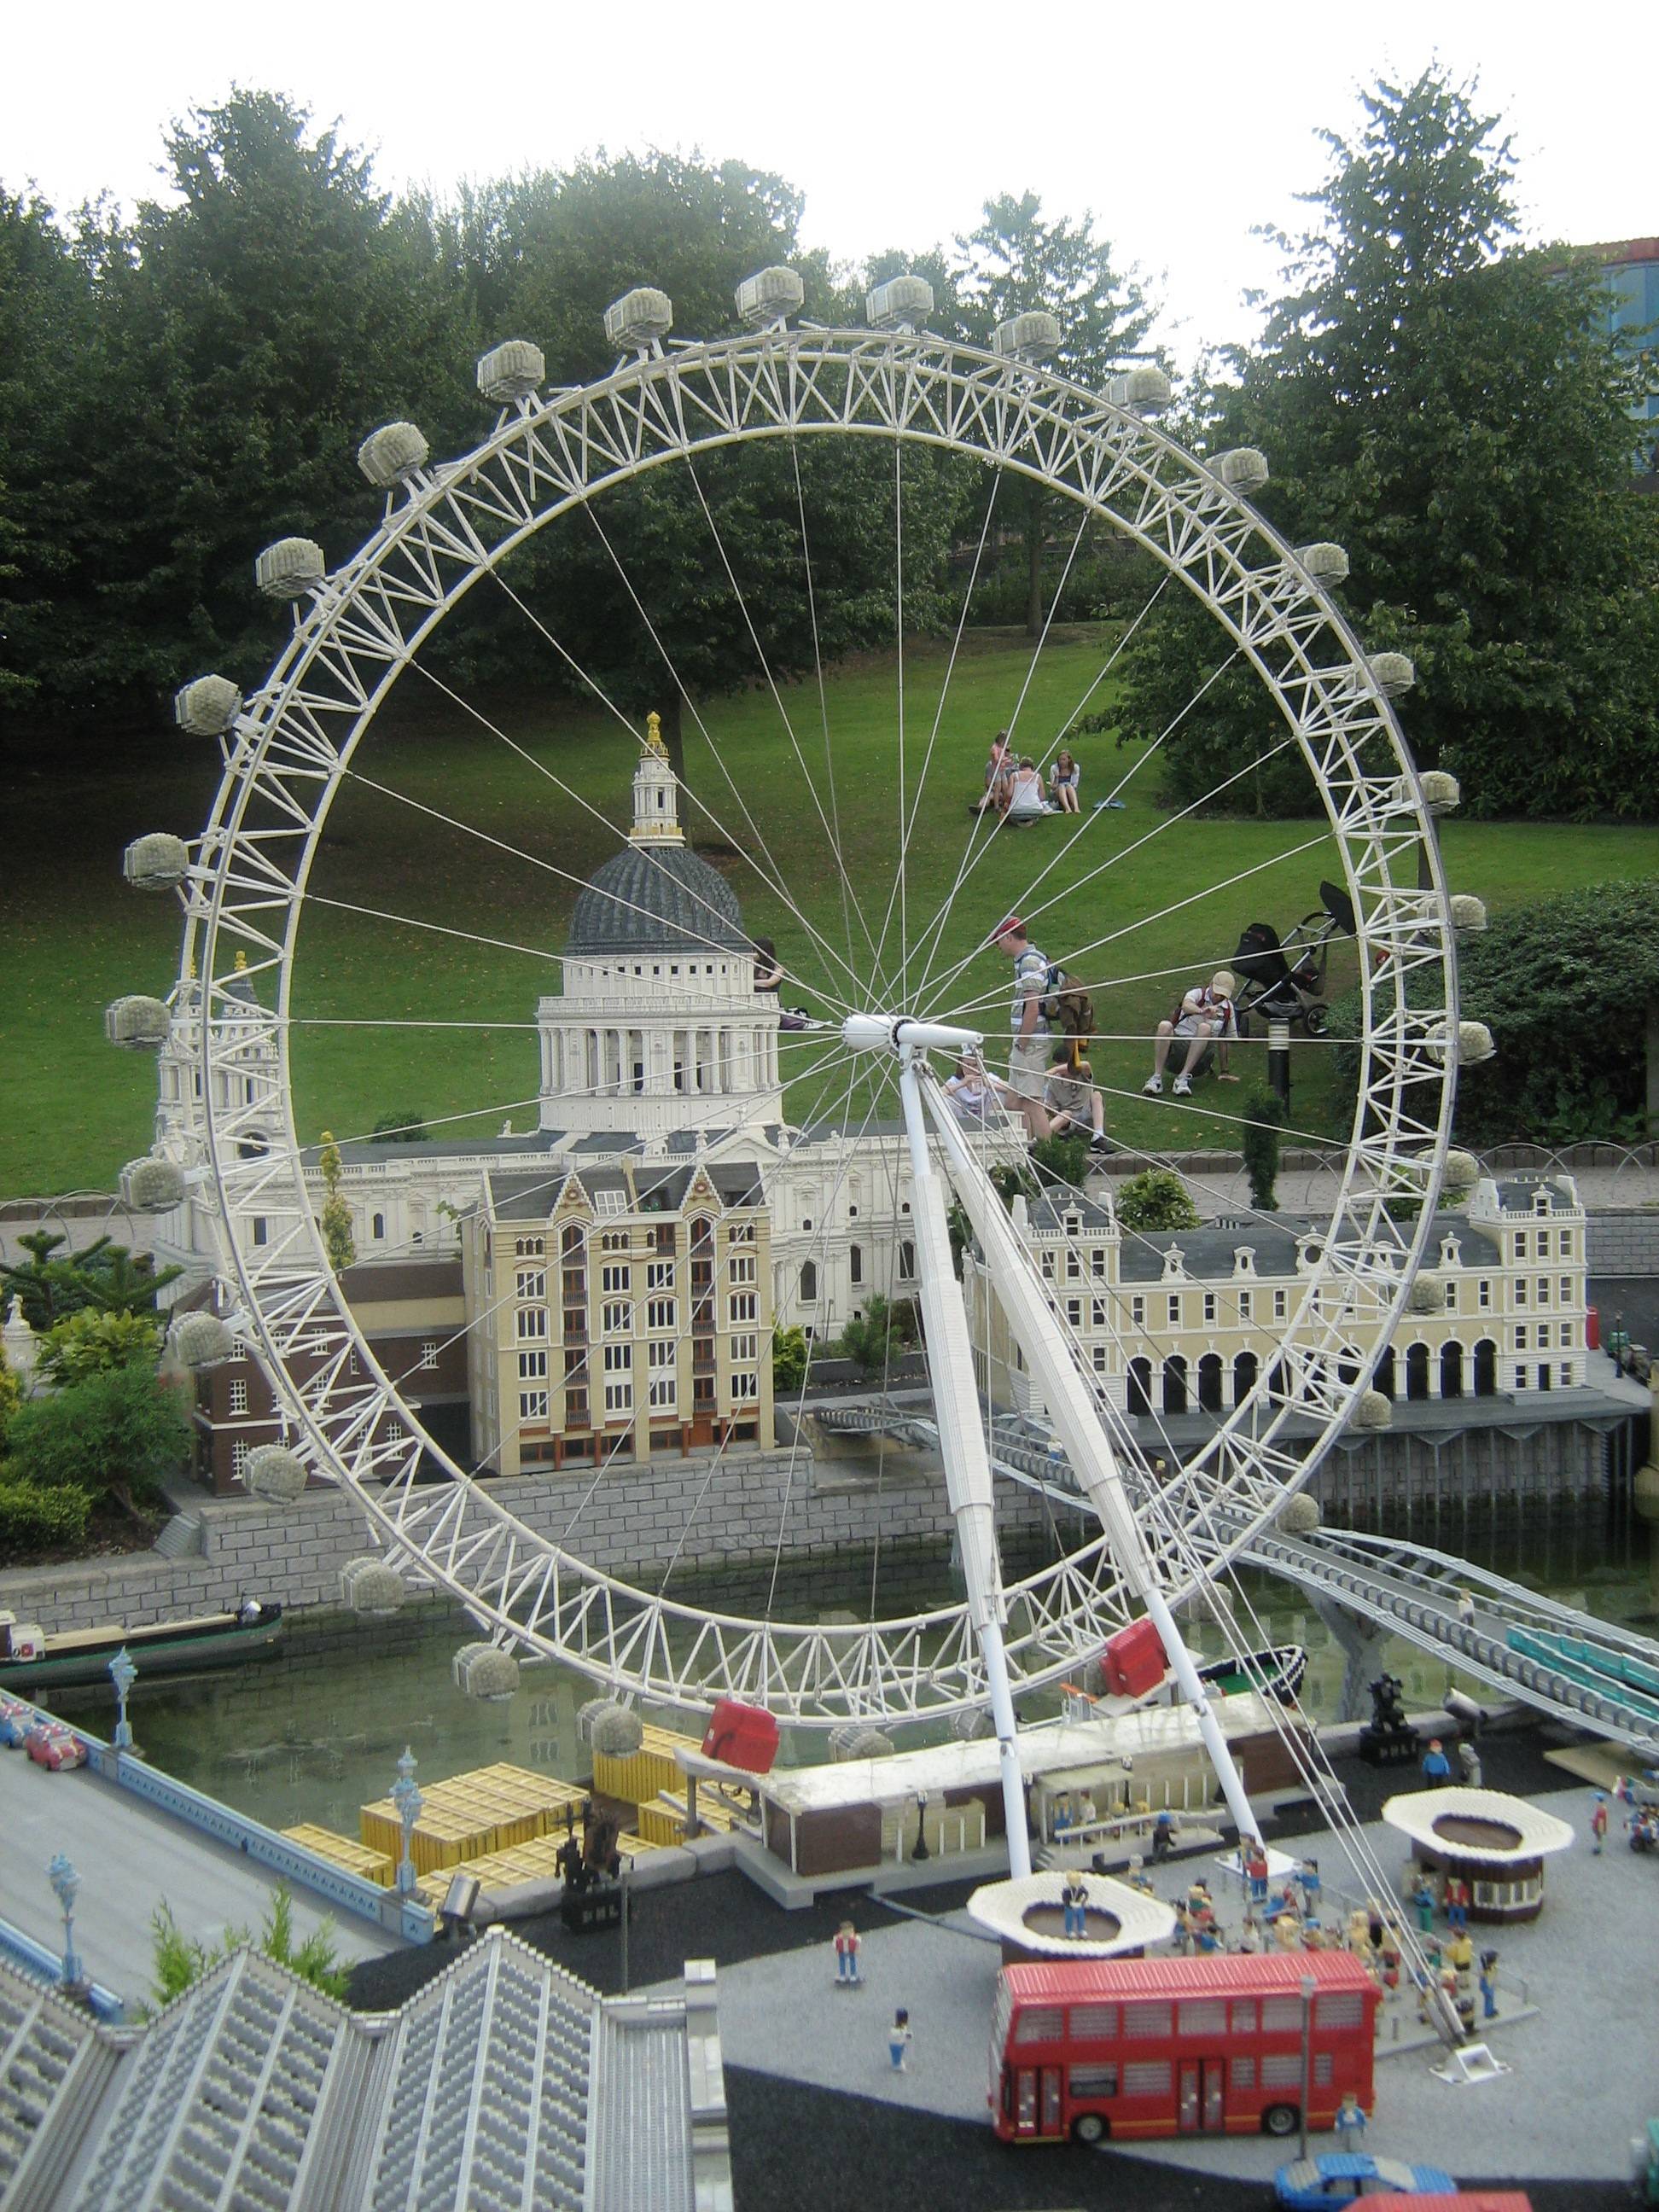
(962, 1448)
(1071, 1409)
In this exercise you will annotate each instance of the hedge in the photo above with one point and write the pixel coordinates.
(38, 1516)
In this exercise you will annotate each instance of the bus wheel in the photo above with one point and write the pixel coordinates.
(1279, 2120)
(1089, 2128)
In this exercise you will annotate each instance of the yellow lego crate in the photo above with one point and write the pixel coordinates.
(340, 1850)
(651, 1770)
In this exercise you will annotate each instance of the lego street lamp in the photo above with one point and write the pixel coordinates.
(67, 1883)
(408, 1799)
(123, 1675)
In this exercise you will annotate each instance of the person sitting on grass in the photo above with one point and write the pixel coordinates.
(1063, 782)
(1026, 801)
(1074, 1107)
(998, 770)
(1205, 1017)
(974, 1094)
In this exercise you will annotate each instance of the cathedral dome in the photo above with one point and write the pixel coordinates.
(655, 899)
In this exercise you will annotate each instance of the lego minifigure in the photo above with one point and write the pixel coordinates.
(1466, 1609)
(1599, 1823)
(1422, 1901)
(1074, 1901)
(1308, 1879)
(1162, 1835)
(898, 2041)
(1062, 1816)
(1460, 1957)
(1249, 1935)
(1350, 2123)
(1457, 1902)
(1469, 1759)
(1489, 1985)
(847, 1956)
(1137, 1876)
(1086, 1813)
(1436, 1767)
(1255, 1872)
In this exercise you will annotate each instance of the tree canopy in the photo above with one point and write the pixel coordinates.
(1452, 409)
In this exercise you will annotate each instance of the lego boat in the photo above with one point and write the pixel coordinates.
(1276, 1673)
(30, 1659)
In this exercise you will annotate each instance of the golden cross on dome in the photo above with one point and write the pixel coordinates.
(651, 740)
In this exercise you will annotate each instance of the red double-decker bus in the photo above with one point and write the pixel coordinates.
(1211, 2045)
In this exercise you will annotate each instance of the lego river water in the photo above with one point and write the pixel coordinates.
(315, 1733)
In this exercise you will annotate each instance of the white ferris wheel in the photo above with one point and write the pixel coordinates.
(290, 749)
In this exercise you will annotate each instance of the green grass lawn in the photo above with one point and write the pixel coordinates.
(1165, 895)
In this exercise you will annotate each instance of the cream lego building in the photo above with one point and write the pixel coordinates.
(1186, 1321)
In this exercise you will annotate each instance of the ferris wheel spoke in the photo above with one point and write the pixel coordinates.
(964, 867)
(586, 806)
(774, 881)
(910, 822)
(831, 828)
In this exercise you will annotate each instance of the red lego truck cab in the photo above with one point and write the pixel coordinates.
(1133, 1662)
(742, 1735)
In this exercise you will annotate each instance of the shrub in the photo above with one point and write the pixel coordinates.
(1264, 1117)
(91, 1343)
(1156, 1198)
(114, 1432)
(1564, 985)
(788, 1360)
(35, 1516)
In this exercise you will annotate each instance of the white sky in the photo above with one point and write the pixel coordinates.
(1180, 127)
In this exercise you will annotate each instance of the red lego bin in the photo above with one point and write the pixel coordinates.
(742, 1735)
(1133, 1662)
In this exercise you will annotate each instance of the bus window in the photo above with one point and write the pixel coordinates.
(1090, 2021)
(1152, 2020)
(1281, 2014)
(1343, 2008)
(1094, 2082)
(1243, 2074)
(1025, 2101)
(1323, 2073)
(1146, 2078)
(1245, 2017)
(1204, 2016)
(1040, 2024)
(1281, 2069)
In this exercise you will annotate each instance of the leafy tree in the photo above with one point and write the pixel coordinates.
(400, 1129)
(788, 1360)
(1015, 261)
(1566, 986)
(256, 327)
(1060, 1160)
(180, 1960)
(115, 1432)
(877, 1336)
(11, 1395)
(1453, 410)
(1155, 1198)
(92, 1343)
(335, 1219)
(1264, 1117)
(103, 1276)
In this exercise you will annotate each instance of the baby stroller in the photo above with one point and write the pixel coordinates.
(1283, 980)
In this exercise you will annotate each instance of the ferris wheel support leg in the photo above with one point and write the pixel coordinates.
(1071, 1408)
(967, 1463)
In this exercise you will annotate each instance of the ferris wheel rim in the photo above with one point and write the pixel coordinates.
(1033, 395)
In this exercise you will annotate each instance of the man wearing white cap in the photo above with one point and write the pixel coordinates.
(1205, 1014)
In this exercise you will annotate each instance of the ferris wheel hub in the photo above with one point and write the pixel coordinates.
(903, 1035)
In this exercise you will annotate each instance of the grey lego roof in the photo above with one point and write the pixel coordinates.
(655, 1188)
(661, 900)
(254, 2089)
(1515, 1193)
(359, 1151)
(1208, 1252)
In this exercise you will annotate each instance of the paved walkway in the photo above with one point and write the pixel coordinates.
(1582, 2082)
(133, 1858)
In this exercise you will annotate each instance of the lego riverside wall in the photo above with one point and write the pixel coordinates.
(631, 1520)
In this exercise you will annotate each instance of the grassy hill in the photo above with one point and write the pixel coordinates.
(1166, 895)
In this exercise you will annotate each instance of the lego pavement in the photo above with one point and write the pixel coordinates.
(818, 2117)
